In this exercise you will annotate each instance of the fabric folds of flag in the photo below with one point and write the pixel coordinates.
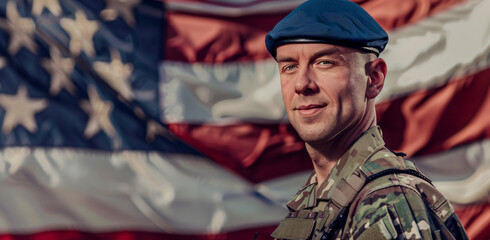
(144, 119)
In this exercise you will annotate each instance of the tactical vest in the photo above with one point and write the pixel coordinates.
(328, 217)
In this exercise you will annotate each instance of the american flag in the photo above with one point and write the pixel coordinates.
(139, 119)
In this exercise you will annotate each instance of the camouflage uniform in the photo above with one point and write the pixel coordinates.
(393, 206)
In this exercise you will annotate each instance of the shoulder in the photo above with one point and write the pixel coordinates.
(392, 206)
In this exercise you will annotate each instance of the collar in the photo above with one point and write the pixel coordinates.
(360, 151)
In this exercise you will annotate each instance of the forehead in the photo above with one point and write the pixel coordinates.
(312, 49)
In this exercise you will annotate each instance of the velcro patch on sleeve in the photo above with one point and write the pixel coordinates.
(294, 228)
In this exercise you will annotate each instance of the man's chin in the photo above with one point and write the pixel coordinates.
(316, 136)
(313, 139)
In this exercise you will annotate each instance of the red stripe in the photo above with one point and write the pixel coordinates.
(476, 219)
(394, 14)
(213, 39)
(257, 152)
(232, 4)
(439, 119)
(247, 234)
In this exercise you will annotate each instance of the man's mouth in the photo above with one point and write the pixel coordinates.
(310, 109)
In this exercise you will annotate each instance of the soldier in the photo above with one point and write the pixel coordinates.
(327, 52)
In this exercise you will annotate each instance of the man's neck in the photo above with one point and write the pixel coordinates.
(326, 155)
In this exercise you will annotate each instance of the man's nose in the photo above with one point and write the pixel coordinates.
(305, 83)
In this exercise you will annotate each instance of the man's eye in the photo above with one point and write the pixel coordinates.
(324, 62)
(289, 67)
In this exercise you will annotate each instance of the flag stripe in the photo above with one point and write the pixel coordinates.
(138, 197)
(231, 8)
(196, 93)
(437, 50)
(406, 11)
(459, 114)
(460, 174)
(257, 152)
(475, 218)
(394, 14)
(104, 191)
(129, 234)
(210, 39)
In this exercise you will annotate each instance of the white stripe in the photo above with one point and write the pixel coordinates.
(42, 189)
(241, 8)
(280, 190)
(422, 56)
(462, 175)
(429, 54)
(205, 93)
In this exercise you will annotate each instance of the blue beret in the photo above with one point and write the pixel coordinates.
(337, 22)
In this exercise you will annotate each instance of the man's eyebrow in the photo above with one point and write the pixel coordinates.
(321, 53)
(285, 59)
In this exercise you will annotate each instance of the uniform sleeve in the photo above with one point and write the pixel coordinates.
(394, 212)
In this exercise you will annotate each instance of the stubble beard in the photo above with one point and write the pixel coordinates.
(326, 132)
(315, 134)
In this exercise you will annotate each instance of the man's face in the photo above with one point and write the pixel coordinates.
(323, 89)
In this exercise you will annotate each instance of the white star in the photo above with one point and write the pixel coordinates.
(3, 62)
(21, 30)
(81, 31)
(123, 8)
(20, 110)
(153, 128)
(52, 5)
(116, 74)
(60, 70)
(98, 112)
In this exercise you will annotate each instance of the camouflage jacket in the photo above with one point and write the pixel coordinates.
(393, 206)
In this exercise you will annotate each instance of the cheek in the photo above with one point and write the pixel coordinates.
(335, 86)
(354, 95)
(287, 91)
(285, 80)
(344, 93)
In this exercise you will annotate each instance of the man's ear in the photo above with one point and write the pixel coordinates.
(376, 73)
